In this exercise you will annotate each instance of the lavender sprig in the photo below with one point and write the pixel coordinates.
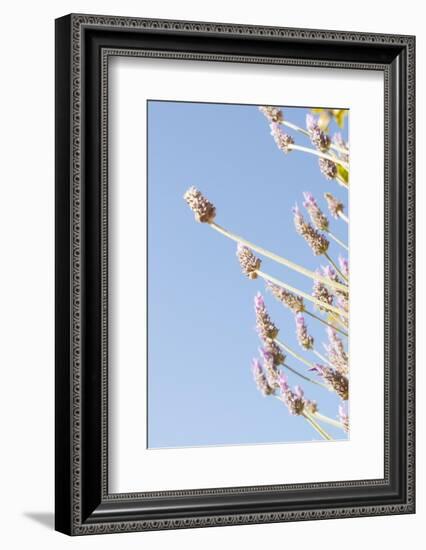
(317, 242)
(334, 379)
(204, 211)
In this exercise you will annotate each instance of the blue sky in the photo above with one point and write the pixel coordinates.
(201, 335)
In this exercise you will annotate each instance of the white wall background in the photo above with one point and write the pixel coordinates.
(27, 244)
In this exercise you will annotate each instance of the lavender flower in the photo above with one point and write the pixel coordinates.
(331, 274)
(344, 266)
(295, 400)
(271, 352)
(203, 209)
(344, 417)
(341, 143)
(336, 352)
(334, 379)
(248, 261)
(335, 206)
(292, 301)
(318, 137)
(318, 243)
(318, 218)
(321, 293)
(328, 168)
(265, 327)
(273, 114)
(304, 339)
(282, 140)
(260, 378)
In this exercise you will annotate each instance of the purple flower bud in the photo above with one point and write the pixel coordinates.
(303, 337)
(282, 140)
(318, 218)
(265, 327)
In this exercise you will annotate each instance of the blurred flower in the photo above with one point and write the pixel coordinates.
(303, 337)
(265, 327)
(248, 261)
(318, 243)
(321, 293)
(328, 168)
(319, 220)
(336, 352)
(260, 378)
(272, 352)
(282, 140)
(273, 114)
(293, 302)
(334, 205)
(295, 400)
(318, 137)
(334, 379)
(203, 209)
(341, 143)
(344, 417)
(344, 266)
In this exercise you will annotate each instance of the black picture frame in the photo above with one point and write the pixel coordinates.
(83, 45)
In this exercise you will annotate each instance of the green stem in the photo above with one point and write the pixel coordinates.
(317, 427)
(297, 373)
(325, 322)
(343, 217)
(276, 258)
(306, 133)
(312, 299)
(328, 420)
(338, 241)
(301, 359)
(294, 147)
(323, 359)
(341, 181)
(336, 268)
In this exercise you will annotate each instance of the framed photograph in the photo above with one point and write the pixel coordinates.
(234, 274)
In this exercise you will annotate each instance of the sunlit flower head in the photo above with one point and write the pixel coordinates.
(317, 242)
(334, 206)
(203, 209)
(328, 168)
(260, 378)
(335, 380)
(265, 327)
(282, 140)
(273, 114)
(292, 301)
(304, 339)
(248, 261)
(318, 218)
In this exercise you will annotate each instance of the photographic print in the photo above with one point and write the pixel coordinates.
(248, 274)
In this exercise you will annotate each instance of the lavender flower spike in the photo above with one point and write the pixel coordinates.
(260, 379)
(318, 218)
(273, 114)
(336, 352)
(265, 327)
(304, 339)
(282, 140)
(248, 261)
(321, 293)
(318, 243)
(287, 298)
(335, 380)
(335, 206)
(344, 266)
(318, 137)
(328, 168)
(203, 209)
(271, 352)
